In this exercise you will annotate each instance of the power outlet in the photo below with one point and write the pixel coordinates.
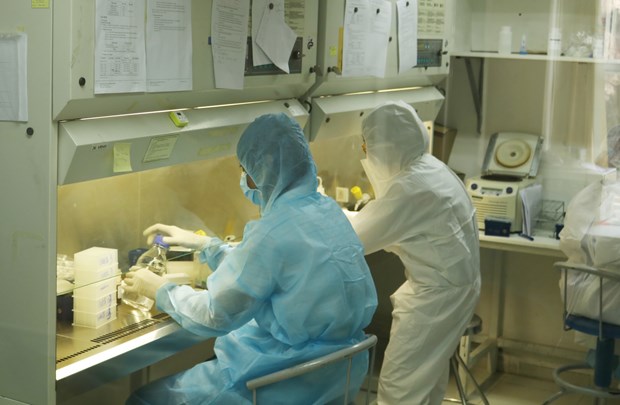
(342, 194)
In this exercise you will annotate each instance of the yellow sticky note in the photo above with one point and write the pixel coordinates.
(122, 158)
(40, 3)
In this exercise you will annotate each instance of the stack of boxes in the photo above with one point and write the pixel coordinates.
(96, 278)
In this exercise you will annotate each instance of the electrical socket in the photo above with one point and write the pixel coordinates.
(342, 194)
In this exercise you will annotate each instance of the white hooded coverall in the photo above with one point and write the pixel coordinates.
(423, 214)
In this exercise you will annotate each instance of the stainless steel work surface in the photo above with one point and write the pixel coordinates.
(132, 341)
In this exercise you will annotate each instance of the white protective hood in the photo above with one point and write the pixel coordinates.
(390, 152)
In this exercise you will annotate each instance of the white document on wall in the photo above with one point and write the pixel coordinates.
(13, 77)
(120, 56)
(531, 198)
(258, 7)
(354, 48)
(379, 38)
(366, 37)
(275, 38)
(407, 16)
(169, 45)
(229, 31)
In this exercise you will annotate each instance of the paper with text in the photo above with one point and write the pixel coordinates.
(275, 38)
(229, 31)
(169, 45)
(407, 13)
(366, 37)
(120, 55)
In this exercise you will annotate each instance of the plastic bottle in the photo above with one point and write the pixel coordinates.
(597, 48)
(361, 198)
(155, 260)
(554, 47)
(505, 40)
(523, 46)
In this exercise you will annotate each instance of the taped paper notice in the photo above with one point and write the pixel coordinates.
(160, 148)
(122, 158)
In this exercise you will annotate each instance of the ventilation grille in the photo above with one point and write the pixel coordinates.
(492, 209)
(130, 329)
(118, 334)
(126, 331)
(77, 354)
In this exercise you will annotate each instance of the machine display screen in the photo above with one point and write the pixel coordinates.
(488, 190)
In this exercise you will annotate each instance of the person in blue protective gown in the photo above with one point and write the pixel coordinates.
(297, 286)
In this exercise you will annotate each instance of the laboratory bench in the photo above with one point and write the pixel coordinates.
(87, 358)
(541, 243)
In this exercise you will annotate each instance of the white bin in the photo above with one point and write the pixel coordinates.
(94, 258)
(98, 289)
(85, 304)
(94, 319)
(92, 275)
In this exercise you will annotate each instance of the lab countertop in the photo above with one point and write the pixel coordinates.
(542, 244)
(132, 341)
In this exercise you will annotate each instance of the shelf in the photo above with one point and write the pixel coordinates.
(516, 56)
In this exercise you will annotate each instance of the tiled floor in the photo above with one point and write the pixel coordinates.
(508, 389)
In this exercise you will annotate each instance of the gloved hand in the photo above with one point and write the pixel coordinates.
(143, 282)
(177, 236)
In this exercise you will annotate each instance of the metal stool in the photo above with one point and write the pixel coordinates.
(473, 328)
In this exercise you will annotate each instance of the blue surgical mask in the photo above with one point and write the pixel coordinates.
(252, 194)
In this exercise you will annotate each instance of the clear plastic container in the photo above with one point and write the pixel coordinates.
(155, 260)
(505, 41)
(135, 300)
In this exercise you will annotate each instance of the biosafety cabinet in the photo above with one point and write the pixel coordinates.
(89, 146)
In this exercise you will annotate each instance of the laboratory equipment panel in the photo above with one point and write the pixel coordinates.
(88, 47)
(417, 42)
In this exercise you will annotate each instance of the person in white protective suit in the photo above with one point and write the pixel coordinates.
(296, 287)
(422, 213)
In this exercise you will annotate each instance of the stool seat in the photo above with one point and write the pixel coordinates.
(474, 326)
(592, 326)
